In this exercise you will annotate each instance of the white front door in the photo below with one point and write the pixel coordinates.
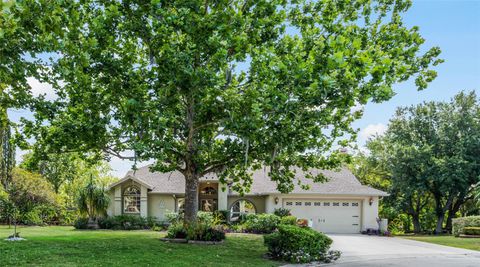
(327, 215)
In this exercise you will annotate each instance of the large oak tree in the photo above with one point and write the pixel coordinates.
(224, 86)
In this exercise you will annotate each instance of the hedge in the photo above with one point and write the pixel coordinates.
(471, 230)
(459, 224)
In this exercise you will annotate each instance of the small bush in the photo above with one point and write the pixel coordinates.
(282, 212)
(300, 245)
(123, 222)
(176, 231)
(205, 217)
(222, 216)
(262, 223)
(204, 232)
(471, 230)
(198, 231)
(460, 223)
(174, 217)
(81, 223)
(288, 220)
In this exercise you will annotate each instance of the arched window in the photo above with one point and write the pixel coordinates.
(241, 207)
(131, 200)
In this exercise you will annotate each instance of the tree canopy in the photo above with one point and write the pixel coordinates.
(431, 152)
(223, 86)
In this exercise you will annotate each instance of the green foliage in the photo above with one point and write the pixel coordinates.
(165, 82)
(297, 244)
(126, 222)
(471, 230)
(93, 201)
(177, 230)
(281, 212)
(427, 160)
(289, 220)
(81, 223)
(205, 217)
(173, 217)
(204, 232)
(459, 224)
(261, 223)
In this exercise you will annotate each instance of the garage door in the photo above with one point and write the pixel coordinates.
(328, 216)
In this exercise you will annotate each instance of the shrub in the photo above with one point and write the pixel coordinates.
(460, 223)
(198, 231)
(222, 216)
(176, 231)
(123, 222)
(152, 222)
(174, 217)
(471, 230)
(81, 223)
(282, 212)
(204, 232)
(295, 244)
(262, 223)
(289, 220)
(205, 217)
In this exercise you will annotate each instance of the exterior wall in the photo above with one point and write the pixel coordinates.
(222, 197)
(111, 206)
(369, 213)
(258, 201)
(160, 204)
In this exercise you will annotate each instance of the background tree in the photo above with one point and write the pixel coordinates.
(93, 201)
(224, 86)
(58, 169)
(7, 149)
(431, 151)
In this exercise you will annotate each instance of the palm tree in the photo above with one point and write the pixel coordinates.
(93, 201)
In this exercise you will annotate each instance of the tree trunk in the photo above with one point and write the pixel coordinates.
(451, 213)
(191, 198)
(439, 227)
(417, 227)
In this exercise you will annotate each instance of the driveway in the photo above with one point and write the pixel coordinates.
(362, 250)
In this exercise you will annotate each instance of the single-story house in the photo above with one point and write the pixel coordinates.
(341, 205)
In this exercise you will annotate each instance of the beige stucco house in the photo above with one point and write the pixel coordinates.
(341, 205)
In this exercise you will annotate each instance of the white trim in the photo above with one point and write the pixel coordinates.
(129, 177)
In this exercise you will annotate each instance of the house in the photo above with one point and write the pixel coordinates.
(341, 205)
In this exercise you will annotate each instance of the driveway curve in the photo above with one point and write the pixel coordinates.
(362, 250)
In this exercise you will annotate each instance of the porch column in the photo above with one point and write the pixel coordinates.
(222, 197)
(117, 202)
(143, 201)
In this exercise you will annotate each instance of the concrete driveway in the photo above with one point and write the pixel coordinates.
(362, 250)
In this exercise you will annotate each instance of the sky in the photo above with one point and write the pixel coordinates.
(452, 25)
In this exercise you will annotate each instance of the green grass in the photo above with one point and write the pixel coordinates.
(451, 241)
(64, 246)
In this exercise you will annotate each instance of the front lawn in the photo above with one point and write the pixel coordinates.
(64, 246)
(458, 242)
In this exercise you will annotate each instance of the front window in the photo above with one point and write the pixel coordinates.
(241, 208)
(131, 200)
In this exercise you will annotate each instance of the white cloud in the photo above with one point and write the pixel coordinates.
(39, 88)
(372, 130)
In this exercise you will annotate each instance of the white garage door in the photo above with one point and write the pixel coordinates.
(328, 216)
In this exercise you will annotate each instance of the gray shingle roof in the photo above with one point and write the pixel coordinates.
(341, 182)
